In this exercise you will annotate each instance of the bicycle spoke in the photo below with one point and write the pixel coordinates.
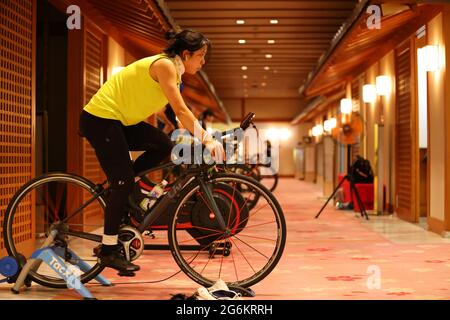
(207, 229)
(250, 215)
(241, 258)
(259, 224)
(207, 203)
(255, 237)
(198, 252)
(231, 207)
(199, 238)
(234, 245)
(48, 203)
(209, 259)
(251, 247)
(49, 197)
(234, 265)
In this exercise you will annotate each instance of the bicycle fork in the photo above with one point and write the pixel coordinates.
(206, 190)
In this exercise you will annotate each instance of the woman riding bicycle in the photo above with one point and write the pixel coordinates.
(114, 123)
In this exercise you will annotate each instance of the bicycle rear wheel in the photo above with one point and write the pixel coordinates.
(41, 205)
(241, 256)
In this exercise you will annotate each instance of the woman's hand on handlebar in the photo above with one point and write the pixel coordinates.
(216, 150)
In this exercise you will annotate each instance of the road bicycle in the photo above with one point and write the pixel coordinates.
(263, 173)
(212, 233)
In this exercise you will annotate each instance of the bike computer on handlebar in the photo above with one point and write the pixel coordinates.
(245, 123)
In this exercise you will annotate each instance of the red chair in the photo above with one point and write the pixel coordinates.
(365, 191)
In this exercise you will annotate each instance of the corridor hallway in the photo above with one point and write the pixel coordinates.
(337, 256)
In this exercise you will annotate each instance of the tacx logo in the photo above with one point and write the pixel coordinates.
(71, 273)
(374, 279)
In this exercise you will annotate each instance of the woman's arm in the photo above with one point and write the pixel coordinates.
(165, 73)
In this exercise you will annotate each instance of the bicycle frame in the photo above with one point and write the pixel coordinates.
(198, 172)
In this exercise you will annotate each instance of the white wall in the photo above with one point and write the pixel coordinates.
(436, 105)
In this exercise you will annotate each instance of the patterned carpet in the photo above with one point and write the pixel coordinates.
(338, 256)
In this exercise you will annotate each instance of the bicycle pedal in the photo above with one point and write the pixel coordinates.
(126, 274)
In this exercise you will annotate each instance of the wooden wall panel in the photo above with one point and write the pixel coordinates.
(405, 135)
(17, 110)
(93, 73)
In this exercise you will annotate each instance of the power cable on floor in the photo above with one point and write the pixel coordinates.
(143, 282)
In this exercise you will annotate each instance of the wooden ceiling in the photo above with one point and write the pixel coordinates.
(361, 47)
(303, 33)
(358, 49)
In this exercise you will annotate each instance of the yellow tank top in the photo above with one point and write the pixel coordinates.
(130, 95)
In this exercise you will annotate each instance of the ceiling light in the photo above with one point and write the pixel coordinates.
(266, 68)
(240, 21)
(244, 76)
(270, 41)
(263, 84)
(273, 21)
(241, 41)
(268, 56)
(244, 67)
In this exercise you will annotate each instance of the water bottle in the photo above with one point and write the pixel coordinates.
(151, 198)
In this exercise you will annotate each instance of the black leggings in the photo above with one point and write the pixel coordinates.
(112, 142)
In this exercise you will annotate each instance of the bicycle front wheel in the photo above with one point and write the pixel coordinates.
(55, 201)
(250, 194)
(242, 255)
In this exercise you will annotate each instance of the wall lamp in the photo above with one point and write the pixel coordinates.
(329, 125)
(317, 130)
(430, 57)
(369, 93)
(346, 106)
(383, 85)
